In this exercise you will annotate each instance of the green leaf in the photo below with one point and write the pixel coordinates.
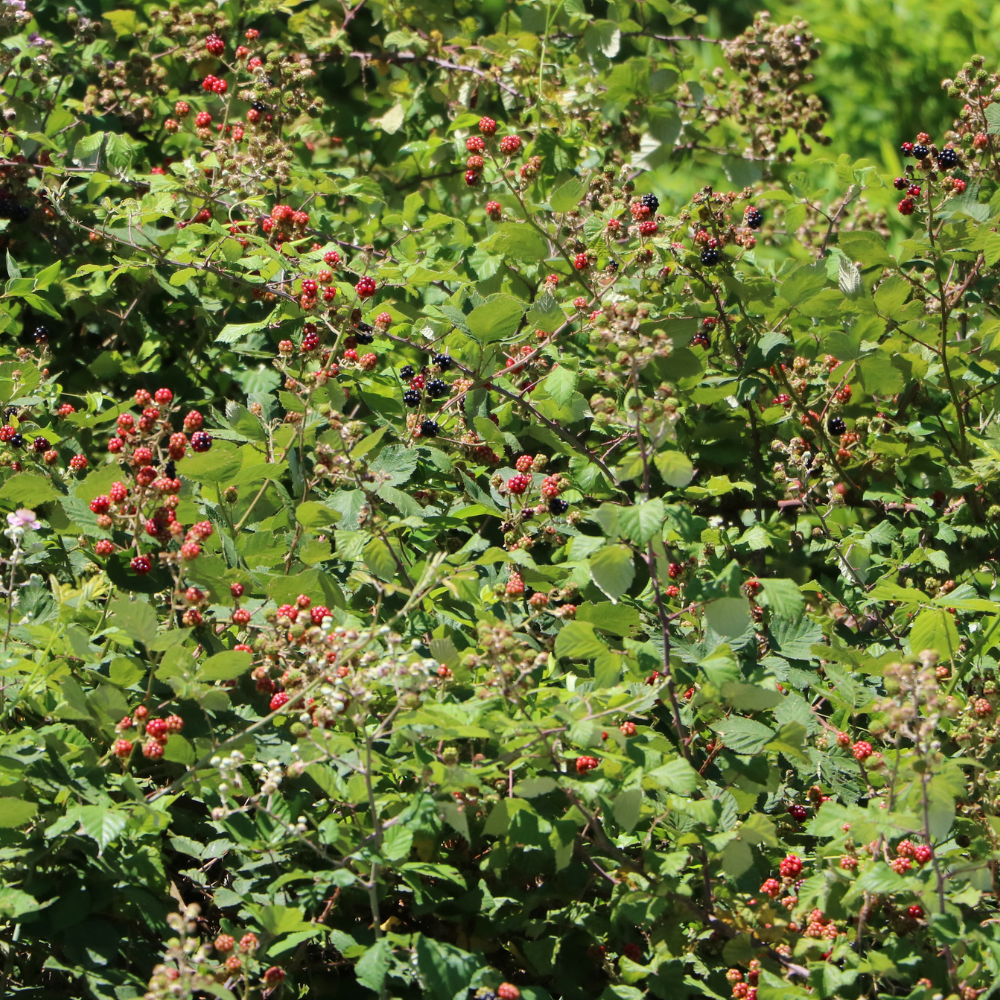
(935, 629)
(567, 196)
(578, 641)
(744, 736)
(225, 666)
(27, 490)
(613, 570)
(15, 812)
(518, 240)
(866, 247)
(102, 824)
(618, 619)
(178, 750)
(879, 376)
(728, 616)
(627, 808)
(674, 467)
(642, 522)
(217, 465)
(803, 283)
(784, 598)
(371, 970)
(137, 619)
(379, 560)
(446, 971)
(560, 384)
(497, 319)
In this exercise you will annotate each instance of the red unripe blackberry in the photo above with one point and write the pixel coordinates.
(163, 396)
(100, 504)
(279, 700)
(922, 854)
(982, 707)
(203, 119)
(524, 463)
(627, 728)
(141, 564)
(798, 812)
(487, 126)
(475, 144)
(201, 530)
(66, 409)
(236, 589)
(791, 865)
(215, 44)
(318, 613)
(182, 109)
(471, 178)
(241, 616)
(906, 206)
(156, 728)
(581, 262)
(274, 976)
(510, 144)
(672, 590)
(906, 849)
(474, 163)
(862, 750)
(104, 547)
(913, 190)
(350, 354)
(585, 764)
(648, 228)
(508, 991)
(152, 749)
(115, 445)
(242, 647)
(915, 911)
(233, 963)
(332, 258)
(224, 943)
(309, 287)
(288, 611)
(901, 865)
(519, 483)
(515, 584)
(193, 595)
(310, 342)
(494, 210)
(365, 287)
(849, 863)
(141, 712)
(368, 361)
(538, 601)
(122, 749)
(190, 550)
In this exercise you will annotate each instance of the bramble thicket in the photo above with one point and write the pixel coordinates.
(500, 502)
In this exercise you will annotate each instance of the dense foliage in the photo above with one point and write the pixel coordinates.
(497, 505)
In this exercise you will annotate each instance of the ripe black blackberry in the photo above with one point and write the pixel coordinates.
(947, 158)
(406, 373)
(259, 106)
(612, 267)
(429, 429)
(16, 441)
(558, 506)
(754, 218)
(444, 361)
(364, 338)
(836, 426)
(701, 340)
(710, 256)
(437, 388)
(920, 152)
(651, 202)
(900, 183)
(411, 397)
